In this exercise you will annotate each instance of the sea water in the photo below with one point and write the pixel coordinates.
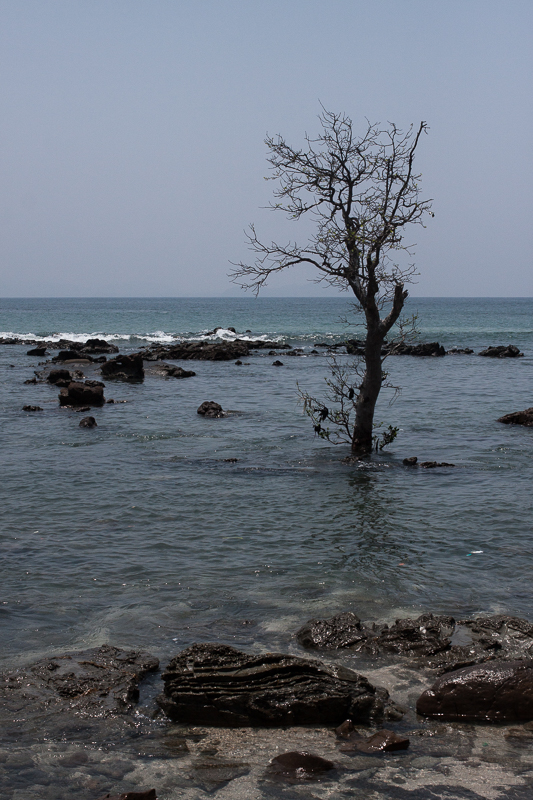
(160, 528)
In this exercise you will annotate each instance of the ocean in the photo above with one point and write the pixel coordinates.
(160, 528)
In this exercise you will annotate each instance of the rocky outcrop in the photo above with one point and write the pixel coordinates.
(37, 351)
(424, 349)
(103, 681)
(518, 418)
(88, 422)
(72, 355)
(81, 394)
(442, 643)
(60, 377)
(97, 347)
(210, 409)
(172, 371)
(511, 351)
(124, 368)
(213, 684)
(199, 351)
(501, 691)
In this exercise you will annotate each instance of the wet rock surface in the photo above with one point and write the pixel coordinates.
(443, 643)
(124, 368)
(424, 349)
(383, 741)
(518, 418)
(102, 681)
(171, 371)
(511, 351)
(210, 409)
(81, 394)
(500, 691)
(218, 685)
(88, 422)
(299, 765)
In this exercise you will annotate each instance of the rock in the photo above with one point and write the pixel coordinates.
(213, 684)
(88, 422)
(383, 741)
(300, 764)
(277, 363)
(82, 409)
(100, 682)
(518, 418)
(124, 368)
(455, 351)
(425, 349)
(148, 795)
(79, 394)
(343, 630)
(410, 462)
(71, 355)
(95, 346)
(37, 351)
(511, 351)
(31, 408)
(31, 380)
(499, 691)
(238, 363)
(95, 383)
(177, 372)
(210, 409)
(432, 464)
(201, 351)
(59, 377)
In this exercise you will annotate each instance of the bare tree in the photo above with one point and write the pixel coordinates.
(361, 193)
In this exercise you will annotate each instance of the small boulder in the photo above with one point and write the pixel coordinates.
(210, 409)
(518, 418)
(88, 422)
(277, 363)
(497, 691)
(79, 394)
(300, 764)
(71, 355)
(410, 462)
(59, 377)
(178, 372)
(124, 368)
(37, 351)
(511, 351)
(31, 408)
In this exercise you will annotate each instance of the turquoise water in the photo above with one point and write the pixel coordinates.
(141, 534)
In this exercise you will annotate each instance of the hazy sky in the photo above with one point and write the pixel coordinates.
(132, 134)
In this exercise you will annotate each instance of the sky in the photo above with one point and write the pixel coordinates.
(132, 154)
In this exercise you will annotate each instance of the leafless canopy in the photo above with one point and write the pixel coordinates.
(362, 192)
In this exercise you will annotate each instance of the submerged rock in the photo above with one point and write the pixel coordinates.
(102, 681)
(511, 351)
(442, 643)
(518, 418)
(124, 368)
(300, 764)
(210, 409)
(497, 692)
(213, 684)
(148, 795)
(383, 741)
(31, 408)
(37, 351)
(171, 371)
(88, 422)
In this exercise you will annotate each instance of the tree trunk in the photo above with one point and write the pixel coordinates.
(368, 395)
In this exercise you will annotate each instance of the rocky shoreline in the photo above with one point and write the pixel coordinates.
(343, 728)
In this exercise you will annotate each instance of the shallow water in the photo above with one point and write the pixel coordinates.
(141, 534)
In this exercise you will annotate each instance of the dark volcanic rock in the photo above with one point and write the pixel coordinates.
(425, 349)
(96, 346)
(460, 351)
(79, 394)
(500, 691)
(88, 422)
(37, 351)
(410, 462)
(176, 372)
(209, 684)
(432, 464)
(71, 355)
(519, 418)
(380, 742)
(511, 351)
(277, 363)
(124, 368)
(31, 408)
(441, 642)
(210, 409)
(103, 681)
(59, 377)
(300, 764)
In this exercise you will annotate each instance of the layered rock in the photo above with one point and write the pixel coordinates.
(210, 684)
(124, 368)
(102, 681)
(496, 692)
(518, 418)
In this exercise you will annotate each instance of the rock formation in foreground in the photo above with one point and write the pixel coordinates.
(213, 684)
(500, 691)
